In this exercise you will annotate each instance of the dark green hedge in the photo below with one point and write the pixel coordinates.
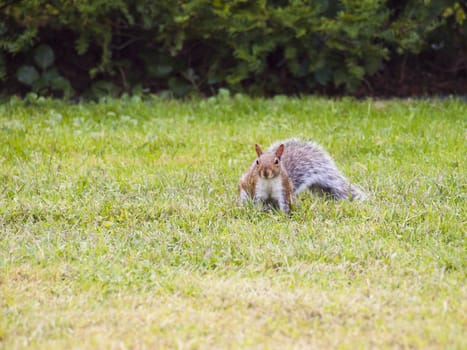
(94, 47)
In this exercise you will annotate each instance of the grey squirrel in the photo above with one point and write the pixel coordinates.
(289, 167)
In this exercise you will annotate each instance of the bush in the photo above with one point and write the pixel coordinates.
(260, 47)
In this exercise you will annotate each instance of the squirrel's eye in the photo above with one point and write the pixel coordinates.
(257, 162)
(276, 161)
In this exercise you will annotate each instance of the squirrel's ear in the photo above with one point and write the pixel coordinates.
(279, 151)
(259, 152)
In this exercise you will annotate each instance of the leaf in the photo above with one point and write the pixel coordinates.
(27, 75)
(102, 88)
(357, 71)
(44, 56)
(157, 65)
(50, 74)
(214, 78)
(323, 76)
(290, 52)
(179, 87)
(372, 64)
(340, 77)
(159, 70)
(82, 44)
(62, 84)
(40, 85)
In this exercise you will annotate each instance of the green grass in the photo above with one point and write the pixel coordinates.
(119, 227)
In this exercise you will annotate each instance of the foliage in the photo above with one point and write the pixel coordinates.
(201, 45)
(48, 78)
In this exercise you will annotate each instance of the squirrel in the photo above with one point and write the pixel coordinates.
(267, 181)
(289, 167)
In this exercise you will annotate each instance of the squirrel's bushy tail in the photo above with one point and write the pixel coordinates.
(356, 194)
(309, 166)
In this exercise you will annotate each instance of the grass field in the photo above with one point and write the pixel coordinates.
(119, 227)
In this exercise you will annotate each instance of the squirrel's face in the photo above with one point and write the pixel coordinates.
(268, 165)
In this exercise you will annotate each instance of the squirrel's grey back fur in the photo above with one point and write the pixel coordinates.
(309, 166)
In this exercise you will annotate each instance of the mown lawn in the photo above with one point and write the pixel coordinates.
(119, 227)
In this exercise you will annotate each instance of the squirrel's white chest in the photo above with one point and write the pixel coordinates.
(269, 189)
